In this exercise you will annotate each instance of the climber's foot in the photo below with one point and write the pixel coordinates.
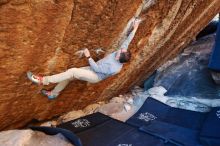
(34, 78)
(49, 94)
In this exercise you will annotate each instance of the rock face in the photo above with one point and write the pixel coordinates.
(42, 36)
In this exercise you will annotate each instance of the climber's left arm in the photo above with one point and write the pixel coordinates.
(130, 37)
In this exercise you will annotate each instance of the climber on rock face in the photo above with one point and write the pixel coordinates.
(97, 71)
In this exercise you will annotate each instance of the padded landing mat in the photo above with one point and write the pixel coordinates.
(115, 133)
(85, 123)
(176, 126)
(155, 110)
(100, 130)
(176, 135)
(155, 124)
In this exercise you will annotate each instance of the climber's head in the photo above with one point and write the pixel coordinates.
(123, 55)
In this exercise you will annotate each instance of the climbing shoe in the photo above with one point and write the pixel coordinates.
(34, 78)
(216, 77)
(49, 94)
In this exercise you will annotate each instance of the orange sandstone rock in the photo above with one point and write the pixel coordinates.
(42, 36)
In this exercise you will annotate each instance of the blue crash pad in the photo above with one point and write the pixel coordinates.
(84, 123)
(155, 110)
(210, 132)
(100, 130)
(116, 133)
(169, 124)
(214, 60)
(154, 124)
(171, 133)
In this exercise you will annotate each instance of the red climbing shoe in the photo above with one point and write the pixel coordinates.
(34, 78)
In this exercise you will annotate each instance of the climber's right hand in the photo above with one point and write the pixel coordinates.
(137, 21)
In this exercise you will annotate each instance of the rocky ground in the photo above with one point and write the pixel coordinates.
(121, 107)
(31, 138)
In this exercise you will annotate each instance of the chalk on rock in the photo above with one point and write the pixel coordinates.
(72, 115)
(118, 100)
(130, 101)
(127, 107)
(99, 51)
(111, 108)
(157, 90)
(91, 108)
(49, 124)
(148, 3)
(80, 53)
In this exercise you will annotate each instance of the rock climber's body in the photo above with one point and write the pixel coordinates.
(97, 71)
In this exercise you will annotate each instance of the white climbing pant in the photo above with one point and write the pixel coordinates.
(83, 73)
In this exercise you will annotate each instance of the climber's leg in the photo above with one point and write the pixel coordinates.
(59, 87)
(90, 77)
(56, 91)
(131, 35)
(84, 74)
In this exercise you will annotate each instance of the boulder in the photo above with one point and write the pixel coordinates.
(31, 138)
(91, 108)
(111, 108)
(43, 36)
(71, 116)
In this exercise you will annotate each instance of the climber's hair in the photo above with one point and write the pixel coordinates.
(124, 57)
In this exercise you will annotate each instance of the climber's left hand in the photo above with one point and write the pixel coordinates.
(86, 52)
